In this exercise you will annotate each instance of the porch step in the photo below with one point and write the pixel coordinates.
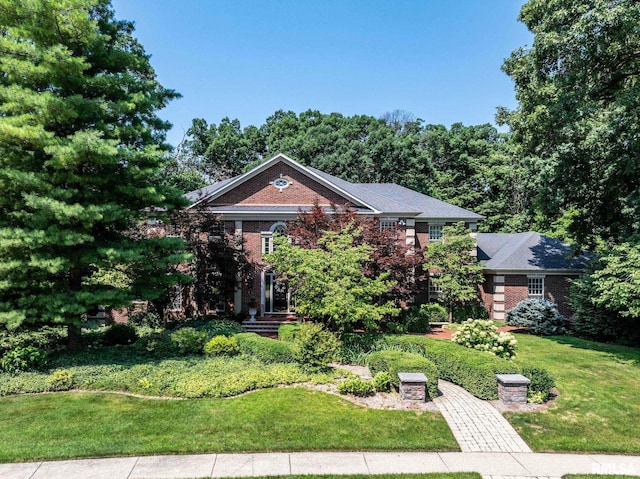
(263, 326)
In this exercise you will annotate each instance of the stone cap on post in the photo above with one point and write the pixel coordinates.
(513, 379)
(412, 378)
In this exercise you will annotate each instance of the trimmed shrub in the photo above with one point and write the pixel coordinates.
(382, 381)
(222, 346)
(470, 311)
(61, 380)
(357, 386)
(146, 318)
(188, 340)
(287, 332)
(266, 350)
(540, 317)
(217, 327)
(120, 333)
(23, 358)
(394, 362)
(541, 381)
(473, 370)
(437, 313)
(315, 347)
(416, 319)
(483, 335)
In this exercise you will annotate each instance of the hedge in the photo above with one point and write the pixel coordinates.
(287, 332)
(394, 362)
(265, 349)
(475, 371)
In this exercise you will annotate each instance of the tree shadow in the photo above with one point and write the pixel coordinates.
(619, 353)
(552, 254)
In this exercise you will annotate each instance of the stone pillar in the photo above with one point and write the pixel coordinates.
(413, 386)
(498, 298)
(512, 388)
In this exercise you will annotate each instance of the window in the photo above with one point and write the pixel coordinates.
(267, 237)
(175, 302)
(388, 225)
(435, 232)
(536, 287)
(434, 289)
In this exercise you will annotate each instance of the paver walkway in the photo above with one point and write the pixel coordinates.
(476, 424)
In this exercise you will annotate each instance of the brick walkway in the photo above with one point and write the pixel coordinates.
(476, 424)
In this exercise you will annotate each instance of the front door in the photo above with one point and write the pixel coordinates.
(276, 295)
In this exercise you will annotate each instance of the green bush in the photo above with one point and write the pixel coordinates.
(61, 380)
(265, 349)
(483, 335)
(315, 347)
(382, 381)
(146, 318)
(23, 358)
(49, 338)
(222, 346)
(217, 327)
(394, 362)
(357, 346)
(540, 317)
(437, 313)
(469, 311)
(287, 332)
(541, 381)
(475, 371)
(188, 340)
(120, 333)
(416, 319)
(357, 386)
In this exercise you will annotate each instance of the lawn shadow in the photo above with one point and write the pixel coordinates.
(625, 354)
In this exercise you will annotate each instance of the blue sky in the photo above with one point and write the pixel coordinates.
(245, 59)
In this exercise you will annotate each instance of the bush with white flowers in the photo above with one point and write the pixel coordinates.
(483, 335)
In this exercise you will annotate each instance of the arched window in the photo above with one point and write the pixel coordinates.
(279, 228)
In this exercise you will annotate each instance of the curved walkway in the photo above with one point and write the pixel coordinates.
(476, 424)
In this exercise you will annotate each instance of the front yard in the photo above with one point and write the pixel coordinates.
(599, 403)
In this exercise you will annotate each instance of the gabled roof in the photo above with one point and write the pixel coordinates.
(527, 252)
(218, 189)
(375, 198)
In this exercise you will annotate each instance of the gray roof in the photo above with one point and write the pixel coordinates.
(389, 197)
(196, 195)
(526, 252)
(428, 206)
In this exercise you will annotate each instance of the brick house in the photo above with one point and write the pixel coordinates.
(258, 203)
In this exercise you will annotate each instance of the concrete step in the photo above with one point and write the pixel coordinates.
(263, 326)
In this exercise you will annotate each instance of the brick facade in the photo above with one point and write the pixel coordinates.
(509, 289)
(258, 190)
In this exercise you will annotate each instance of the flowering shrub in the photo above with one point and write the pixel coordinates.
(483, 335)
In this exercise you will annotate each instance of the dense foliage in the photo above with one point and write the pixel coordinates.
(80, 144)
(394, 362)
(579, 113)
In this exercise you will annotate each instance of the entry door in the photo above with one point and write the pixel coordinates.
(276, 295)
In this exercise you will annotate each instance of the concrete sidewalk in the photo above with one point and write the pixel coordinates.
(488, 464)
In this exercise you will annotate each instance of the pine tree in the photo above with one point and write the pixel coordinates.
(80, 142)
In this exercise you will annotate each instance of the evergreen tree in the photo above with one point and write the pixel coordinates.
(80, 143)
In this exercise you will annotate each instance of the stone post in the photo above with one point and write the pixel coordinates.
(413, 386)
(512, 388)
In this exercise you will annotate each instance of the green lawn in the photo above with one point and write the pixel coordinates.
(599, 405)
(73, 424)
